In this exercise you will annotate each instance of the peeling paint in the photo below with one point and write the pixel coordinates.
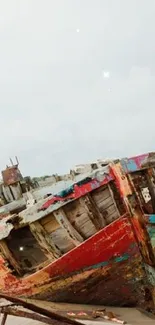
(86, 184)
(90, 272)
(150, 218)
(107, 268)
(151, 273)
(134, 163)
(5, 228)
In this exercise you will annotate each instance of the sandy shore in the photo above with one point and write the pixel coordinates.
(131, 315)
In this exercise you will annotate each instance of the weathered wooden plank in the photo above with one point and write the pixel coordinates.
(47, 219)
(51, 227)
(57, 234)
(104, 204)
(14, 311)
(85, 226)
(13, 206)
(102, 193)
(56, 318)
(94, 212)
(44, 240)
(79, 216)
(114, 202)
(73, 211)
(111, 209)
(4, 318)
(102, 198)
(62, 240)
(9, 256)
(113, 216)
(61, 217)
(50, 223)
(86, 205)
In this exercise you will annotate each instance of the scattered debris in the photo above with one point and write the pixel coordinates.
(108, 315)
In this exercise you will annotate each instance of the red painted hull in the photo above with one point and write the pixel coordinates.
(103, 285)
(106, 269)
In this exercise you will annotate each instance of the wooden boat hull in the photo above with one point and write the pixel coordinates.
(113, 284)
(105, 269)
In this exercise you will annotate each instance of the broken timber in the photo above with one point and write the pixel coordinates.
(37, 313)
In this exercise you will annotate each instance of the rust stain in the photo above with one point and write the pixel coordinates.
(11, 175)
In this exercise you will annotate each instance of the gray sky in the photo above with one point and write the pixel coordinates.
(77, 81)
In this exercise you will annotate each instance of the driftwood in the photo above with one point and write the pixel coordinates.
(4, 319)
(15, 311)
(22, 308)
(37, 313)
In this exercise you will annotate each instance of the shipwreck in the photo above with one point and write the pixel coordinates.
(91, 243)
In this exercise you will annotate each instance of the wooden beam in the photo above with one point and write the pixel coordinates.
(14, 311)
(72, 233)
(4, 318)
(94, 212)
(86, 204)
(114, 202)
(56, 318)
(44, 240)
(9, 256)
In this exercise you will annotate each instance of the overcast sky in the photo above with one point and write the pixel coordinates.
(77, 81)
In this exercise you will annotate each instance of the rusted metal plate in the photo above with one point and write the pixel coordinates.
(11, 175)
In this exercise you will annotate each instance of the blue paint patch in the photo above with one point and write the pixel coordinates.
(151, 218)
(122, 258)
(117, 259)
(123, 164)
(151, 231)
(65, 192)
(96, 266)
(131, 165)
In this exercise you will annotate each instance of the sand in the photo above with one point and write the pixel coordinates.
(131, 315)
